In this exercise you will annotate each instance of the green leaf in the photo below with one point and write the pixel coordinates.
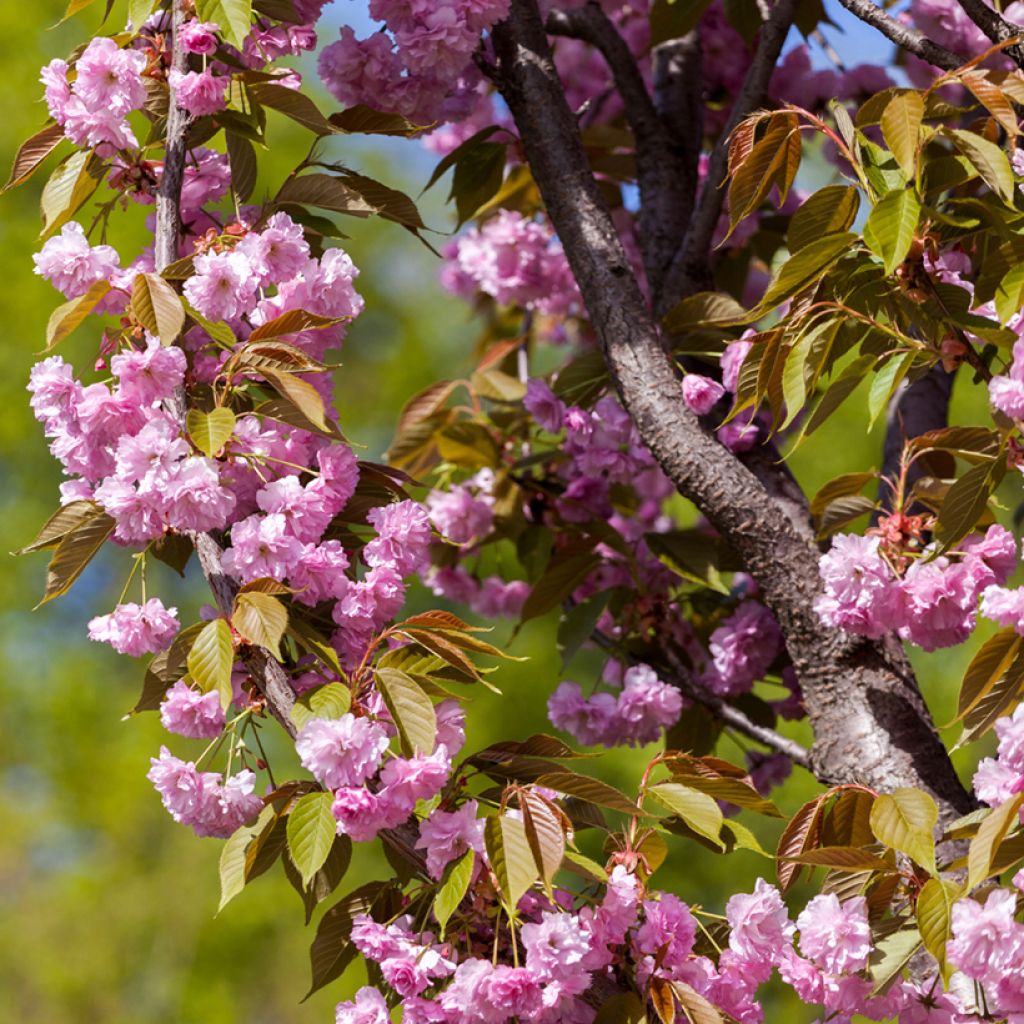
(233, 16)
(586, 788)
(477, 178)
(453, 888)
(934, 910)
(985, 845)
(293, 104)
(74, 552)
(884, 384)
(261, 620)
(331, 700)
(65, 520)
(304, 397)
(210, 660)
(830, 209)
(32, 153)
(242, 162)
(904, 820)
(563, 574)
(990, 664)
(331, 952)
(705, 309)
(232, 857)
(326, 191)
(891, 955)
(889, 230)
(698, 810)
(803, 268)
(901, 128)
(839, 487)
(753, 179)
(578, 624)
(67, 316)
(692, 556)
(625, 1007)
(139, 11)
(966, 502)
(310, 833)
(412, 710)
(467, 444)
(511, 857)
(362, 119)
(210, 431)
(155, 304)
(70, 185)
(989, 160)
(1010, 293)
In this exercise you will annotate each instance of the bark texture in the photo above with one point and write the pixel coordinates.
(870, 722)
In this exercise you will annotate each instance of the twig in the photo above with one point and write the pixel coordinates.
(903, 36)
(995, 26)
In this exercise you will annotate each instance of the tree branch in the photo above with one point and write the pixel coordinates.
(906, 38)
(690, 264)
(268, 675)
(995, 26)
(661, 169)
(870, 722)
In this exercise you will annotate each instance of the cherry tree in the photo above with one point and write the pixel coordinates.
(624, 176)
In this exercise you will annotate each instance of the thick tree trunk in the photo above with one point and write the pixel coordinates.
(870, 722)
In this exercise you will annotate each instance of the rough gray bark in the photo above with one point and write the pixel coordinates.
(995, 26)
(870, 722)
(270, 678)
(906, 38)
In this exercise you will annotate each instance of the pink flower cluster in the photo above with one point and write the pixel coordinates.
(999, 778)
(421, 66)
(72, 265)
(515, 260)
(1006, 392)
(107, 86)
(639, 713)
(346, 755)
(934, 604)
(204, 800)
(137, 629)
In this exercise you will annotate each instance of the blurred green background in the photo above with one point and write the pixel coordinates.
(107, 909)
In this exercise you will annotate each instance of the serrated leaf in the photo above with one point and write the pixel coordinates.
(586, 788)
(842, 858)
(890, 227)
(293, 321)
(695, 1007)
(988, 665)
(233, 16)
(304, 397)
(1010, 293)
(988, 159)
(801, 834)
(331, 952)
(511, 859)
(67, 316)
(752, 180)
(904, 820)
(698, 810)
(991, 832)
(661, 997)
(901, 128)
(232, 857)
(293, 104)
(210, 431)
(260, 619)
(891, 954)
(242, 162)
(65, 520)
(310, 832)
(74, 552)
(804, 267)
(156, 305)
(966, 502)
(366, 120)
(563, 574)
(331, 700)
(453, 888)
(934, 910)
(885, 382)
(32, 153)
(839, 487)
(68, 187)
(544, 833)
(411, 709)
(830, 209)
(210, 660)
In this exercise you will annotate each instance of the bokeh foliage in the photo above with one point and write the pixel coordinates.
(106, 907)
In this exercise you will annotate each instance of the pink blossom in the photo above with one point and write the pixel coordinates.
(339, 471)
(190, 712)
(742, 648)
(732, 360)
(836, 936)
(447, 835)
(403, 535)
(109, 77)
(666, 936)
(588, 720)
(646, 707)
(760, 927)
(319, 573)
(198, 37)
(137, 629)
(701, 393)
(152, 374)
(555, 946)
(513, 991)
(459, 515)
(278, 252)
(71, 264)
(543, 405)
(195, 499)
(1004, 606)
(199, 92)
(987, 941)
(223, 286)
(861, 592)
(305, 510)
(342, 751)
(368, 1007)
(1006, 393)
(407, 780)
(451, 726)
(262, 546)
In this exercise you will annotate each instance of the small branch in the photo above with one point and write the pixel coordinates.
(995, 26)
(903, 36)
(270, 677)
(661, 170)
(690, 265)
(733, 717)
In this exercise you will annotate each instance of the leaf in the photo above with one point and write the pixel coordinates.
(582, 380)
(155, 304)
(261, 620)
(752, 180)
(511, 859)
(386, 202)
(830, 209)
(331, 700)
(544, 833)
(563, 574)
(891, 954)
(74, 552)
(696, 809)
(966, 501)
(901, 128)
(211, 658)
(365, 120)
(985, 845)
(232, 857)
(331, 952)
(32, 153)
(453, 888)
(885, 383)
(733, 791)
(242, 162)
(842, 858)
(890, 227)
(325, 191)
(839, 487)
(210, 431)
(293, 104)
(68, 187)
(233, 16)
(842, 511)
(662, 999)
(800, 835)
(412, 710)
(587, 788)
(293, 321)
(696, 1008)
(625, 1007)
(304, 397)
(934, 909)
(904, 820)
(477, 178)
(310, 832)
(467, 444)
(173, 549)
(1010, 293)
(989, 160)
(578, 624)
(988, 665)
(67, 316)
(805, 267)
(65, 520)
(705, 309)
